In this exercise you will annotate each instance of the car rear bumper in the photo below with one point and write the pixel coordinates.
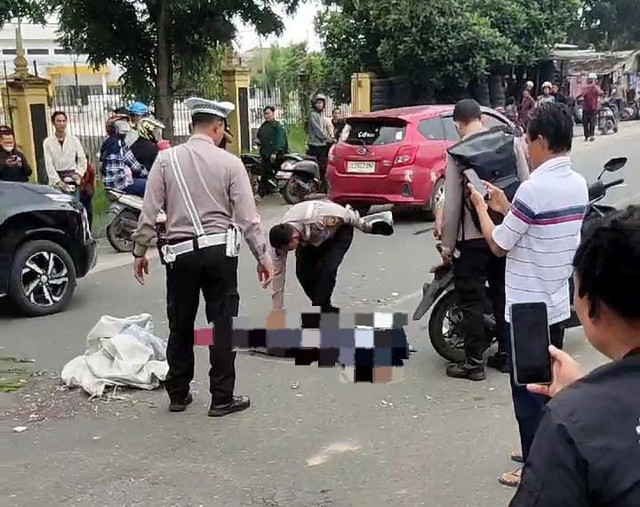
(403, 186)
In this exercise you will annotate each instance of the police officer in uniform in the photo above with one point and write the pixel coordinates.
(201, 187)
(320, 232)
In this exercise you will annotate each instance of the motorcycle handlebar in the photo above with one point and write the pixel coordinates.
(613, 183)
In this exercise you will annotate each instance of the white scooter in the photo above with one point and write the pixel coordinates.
(124, 213)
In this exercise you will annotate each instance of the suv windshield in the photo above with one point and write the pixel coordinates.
(374, 132)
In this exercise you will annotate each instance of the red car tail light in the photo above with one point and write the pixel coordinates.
(406, 155)
(332, 154)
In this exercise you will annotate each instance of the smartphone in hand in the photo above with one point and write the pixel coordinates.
(531, 361)
(475, 180)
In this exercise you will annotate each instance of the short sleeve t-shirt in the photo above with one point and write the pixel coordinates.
(541, 233)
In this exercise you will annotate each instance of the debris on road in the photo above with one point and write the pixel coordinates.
(20, 429)
(332, 450)
(295, 385)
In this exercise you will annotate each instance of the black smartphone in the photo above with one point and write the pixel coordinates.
(475, 180)
(530, 356)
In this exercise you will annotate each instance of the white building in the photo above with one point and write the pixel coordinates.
(49, 60)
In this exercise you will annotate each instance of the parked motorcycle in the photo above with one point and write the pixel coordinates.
(607, 118)
(297, 177)
(445, 322)
(630, 112)
(124, 213)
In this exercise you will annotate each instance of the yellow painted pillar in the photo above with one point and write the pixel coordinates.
(361, 92)
(235, 83)
(28, 98)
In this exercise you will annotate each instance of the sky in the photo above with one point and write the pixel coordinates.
(298, 28)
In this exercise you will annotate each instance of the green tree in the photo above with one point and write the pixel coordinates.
(31, 10)
(150, 39)
(609, 24)
(438, 44)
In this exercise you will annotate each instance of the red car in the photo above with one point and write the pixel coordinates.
(397, 156)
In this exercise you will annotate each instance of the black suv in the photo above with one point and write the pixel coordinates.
(45, 245)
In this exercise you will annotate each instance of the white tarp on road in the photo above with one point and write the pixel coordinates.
(120, 352)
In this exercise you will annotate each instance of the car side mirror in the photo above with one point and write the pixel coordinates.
(615, 164)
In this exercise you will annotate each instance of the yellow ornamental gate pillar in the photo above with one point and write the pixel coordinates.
(235, 82)
(361, 92)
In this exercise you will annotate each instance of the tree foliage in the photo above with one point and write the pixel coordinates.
(151, 39)
(609, 24)
(29, 10)
(439, 43)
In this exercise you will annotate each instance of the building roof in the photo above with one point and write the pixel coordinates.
(601, 63)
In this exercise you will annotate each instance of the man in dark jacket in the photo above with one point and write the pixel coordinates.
(13, 164)
(272, 140)
(587, 448)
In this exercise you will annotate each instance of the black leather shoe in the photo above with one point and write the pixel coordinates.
(238, 404)
(180, 405)
(468, 370)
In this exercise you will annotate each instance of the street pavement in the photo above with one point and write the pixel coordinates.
(307, 440)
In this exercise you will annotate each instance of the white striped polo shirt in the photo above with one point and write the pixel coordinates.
(541, 234)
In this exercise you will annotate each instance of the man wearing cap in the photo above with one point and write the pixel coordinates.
(320, 232)
(201, 187)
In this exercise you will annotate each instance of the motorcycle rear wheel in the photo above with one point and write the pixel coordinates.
(118, 235)
(293, 192)
(448, 343)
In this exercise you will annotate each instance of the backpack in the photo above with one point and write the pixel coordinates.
(491, 155)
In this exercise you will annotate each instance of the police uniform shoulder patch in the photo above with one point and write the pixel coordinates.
(331, 221)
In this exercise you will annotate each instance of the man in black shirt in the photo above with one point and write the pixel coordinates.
(586, 451)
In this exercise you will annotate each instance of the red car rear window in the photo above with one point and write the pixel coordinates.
(374, 132)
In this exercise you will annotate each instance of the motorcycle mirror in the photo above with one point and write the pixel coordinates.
(615, 164)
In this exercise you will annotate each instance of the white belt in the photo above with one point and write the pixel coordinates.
(170, 252)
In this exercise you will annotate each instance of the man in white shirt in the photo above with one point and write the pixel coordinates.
(64, 156)
(539, 235)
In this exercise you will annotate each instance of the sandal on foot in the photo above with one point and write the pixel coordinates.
(511, 479)
(517, 457)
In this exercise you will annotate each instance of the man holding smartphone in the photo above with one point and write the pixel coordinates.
(539, 236)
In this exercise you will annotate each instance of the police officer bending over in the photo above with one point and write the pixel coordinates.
(320, 232)
(201, 188)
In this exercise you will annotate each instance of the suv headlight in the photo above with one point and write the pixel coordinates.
(60, 197)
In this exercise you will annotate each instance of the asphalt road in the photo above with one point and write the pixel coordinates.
(307, 440)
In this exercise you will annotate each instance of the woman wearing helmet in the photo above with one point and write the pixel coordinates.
(546, 96)
(146, 148)
(137, 111)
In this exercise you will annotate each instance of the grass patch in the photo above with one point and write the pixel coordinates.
(297, 138)
(12, 376)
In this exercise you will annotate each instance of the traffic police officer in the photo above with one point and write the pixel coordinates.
(320, 232)
(201, 187)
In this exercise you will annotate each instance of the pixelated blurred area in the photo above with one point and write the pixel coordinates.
(369, 347)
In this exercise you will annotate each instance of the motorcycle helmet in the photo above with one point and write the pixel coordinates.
(138, 109)
(593, 75)
(151, 129)
(318, 97)
(111, 123)
(546, 84)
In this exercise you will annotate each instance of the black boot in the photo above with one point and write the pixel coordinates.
(471, 369)
(499, 361)
(238, 404)
(180, 405)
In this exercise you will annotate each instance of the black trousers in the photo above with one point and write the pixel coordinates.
(87, 202)
(268, 173)
(589, 120)
(321, 153)
(527, 406)
(214, 274)
(475, 267)
(317, 266)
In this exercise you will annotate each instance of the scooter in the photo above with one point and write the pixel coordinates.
(124, 213)
(445, 322)
(607, 118)
(297, 178)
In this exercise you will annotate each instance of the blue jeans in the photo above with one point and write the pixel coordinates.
(137, 188)
(527, 406)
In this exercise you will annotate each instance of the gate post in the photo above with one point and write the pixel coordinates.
(28, 100)
(235, 83)
(361, 92)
